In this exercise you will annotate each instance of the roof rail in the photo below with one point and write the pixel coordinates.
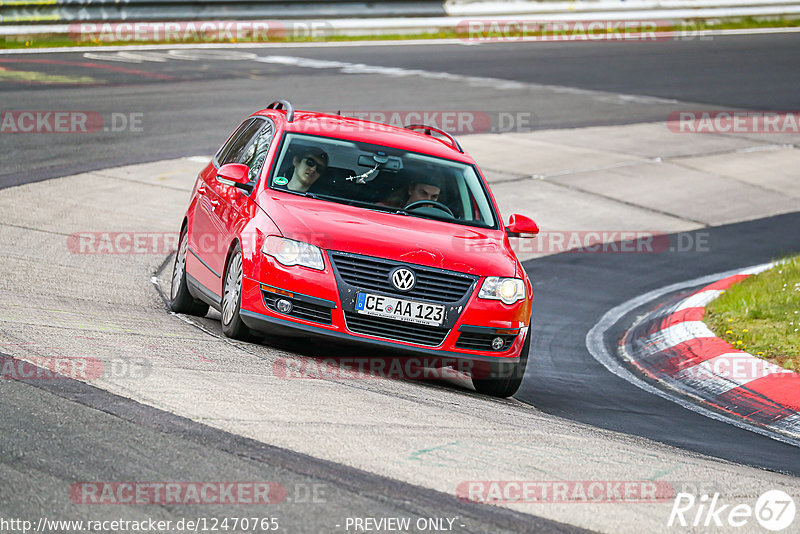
(285, 105)
(427, 131)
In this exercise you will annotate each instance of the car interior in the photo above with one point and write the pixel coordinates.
(368, 174)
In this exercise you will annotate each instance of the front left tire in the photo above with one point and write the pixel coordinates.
(502, 379)
(180, 300)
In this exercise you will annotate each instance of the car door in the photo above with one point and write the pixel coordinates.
(207, 241)
(236, 207)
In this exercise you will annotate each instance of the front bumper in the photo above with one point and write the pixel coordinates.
(323, 306)
(283, 327)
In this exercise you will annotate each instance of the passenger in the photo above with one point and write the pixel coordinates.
(308, 167)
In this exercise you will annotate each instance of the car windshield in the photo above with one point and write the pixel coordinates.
(382, 178)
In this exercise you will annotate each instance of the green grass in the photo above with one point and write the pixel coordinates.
(761, 314)
(689, 27)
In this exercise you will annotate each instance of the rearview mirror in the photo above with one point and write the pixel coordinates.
(521, 226)
(235, 174)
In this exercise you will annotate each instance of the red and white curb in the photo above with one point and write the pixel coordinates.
(672, 345)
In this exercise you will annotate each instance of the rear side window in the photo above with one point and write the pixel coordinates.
(234, 149)
(256, 151)
(231, 140)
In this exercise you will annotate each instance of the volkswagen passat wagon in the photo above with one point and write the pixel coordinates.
(311, 224)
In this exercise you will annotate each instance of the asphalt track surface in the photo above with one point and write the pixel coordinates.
(189, 106)
(186, 104)
(58, 432)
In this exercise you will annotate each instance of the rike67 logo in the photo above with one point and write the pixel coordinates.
(774, 510)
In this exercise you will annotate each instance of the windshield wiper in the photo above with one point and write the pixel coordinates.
(308, 194)
(351, 202)
(372, 206)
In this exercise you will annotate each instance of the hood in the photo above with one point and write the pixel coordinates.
(339, 227)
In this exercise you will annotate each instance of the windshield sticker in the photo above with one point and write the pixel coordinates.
(281, 180)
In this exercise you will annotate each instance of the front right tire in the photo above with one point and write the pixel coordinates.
(232, 325)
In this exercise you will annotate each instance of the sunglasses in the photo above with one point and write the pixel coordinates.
(311, 162)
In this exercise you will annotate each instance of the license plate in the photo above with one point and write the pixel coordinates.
(400, 309)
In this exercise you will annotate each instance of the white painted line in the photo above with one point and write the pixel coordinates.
(127, 56)
(708, 387)
(106, 56)
(191, 321)
(675, 335)
(222, 46)
(790, 425)
(205, 55)
(762, 148)
(759, 268)
(395, 72)
(595, 343)
(473, 81)
(698, 300)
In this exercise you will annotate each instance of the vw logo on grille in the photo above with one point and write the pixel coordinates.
(403, 279)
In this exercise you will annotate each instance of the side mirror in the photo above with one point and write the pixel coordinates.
(236, 175)
(521, 226)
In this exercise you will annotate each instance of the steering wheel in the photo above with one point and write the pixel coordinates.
(434, 203)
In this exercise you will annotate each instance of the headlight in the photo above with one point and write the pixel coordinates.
(289, 252)
(507, 290)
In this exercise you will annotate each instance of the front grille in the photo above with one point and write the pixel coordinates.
(300, 309)
(431, 336)
(471, 341)
(373, 273)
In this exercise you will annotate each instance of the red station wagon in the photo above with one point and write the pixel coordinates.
(311, 224)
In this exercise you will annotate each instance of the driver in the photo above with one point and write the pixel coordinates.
(423, 191)
(424, 187)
